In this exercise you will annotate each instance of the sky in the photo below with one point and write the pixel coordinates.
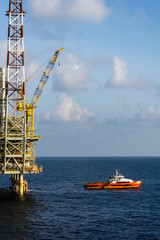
(103, 97)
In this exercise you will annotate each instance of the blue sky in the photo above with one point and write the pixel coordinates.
(104, 98)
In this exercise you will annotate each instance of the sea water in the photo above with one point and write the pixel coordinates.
(58, 207)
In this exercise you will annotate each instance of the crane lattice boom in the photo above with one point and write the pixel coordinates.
(45, 77)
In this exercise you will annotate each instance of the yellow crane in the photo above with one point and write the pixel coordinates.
(31, 106)
(31, 138)
(45, 77)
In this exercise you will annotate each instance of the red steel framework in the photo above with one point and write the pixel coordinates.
(15, 120)
(15, 59)
(17, 144)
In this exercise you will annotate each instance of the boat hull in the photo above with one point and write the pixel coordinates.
(95, 185)
(105, 185)
(122, 185)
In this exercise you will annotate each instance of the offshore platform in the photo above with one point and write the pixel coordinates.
(17, 129)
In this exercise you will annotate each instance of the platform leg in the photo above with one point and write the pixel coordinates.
(21, 184)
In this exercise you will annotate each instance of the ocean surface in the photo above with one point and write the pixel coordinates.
(58, 207)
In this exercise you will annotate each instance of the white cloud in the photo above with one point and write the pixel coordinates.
(148, 112)
(120, 74)
(121, 80)
(3, 53)
(87, 10)
(68, 110)
(72, 76)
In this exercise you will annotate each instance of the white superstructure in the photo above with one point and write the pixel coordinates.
(119, 178)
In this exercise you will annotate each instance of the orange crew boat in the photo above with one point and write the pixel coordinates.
(116, 182)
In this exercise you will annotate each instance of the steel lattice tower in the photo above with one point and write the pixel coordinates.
(17, 129)
(13, 143)
(15, 121)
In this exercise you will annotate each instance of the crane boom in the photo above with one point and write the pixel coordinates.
(45, 77)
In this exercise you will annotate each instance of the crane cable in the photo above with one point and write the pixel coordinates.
(37, 70)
